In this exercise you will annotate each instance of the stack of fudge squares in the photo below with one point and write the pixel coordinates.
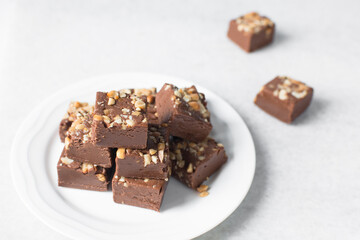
(136, 139)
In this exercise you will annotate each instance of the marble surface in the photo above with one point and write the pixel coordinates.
(306, 184)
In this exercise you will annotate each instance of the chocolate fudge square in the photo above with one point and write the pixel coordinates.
(75, 110)
(79, 175)
(79, 147)
(145, 193)
(284, 98)
(251, 31)
(185, 111)
(152, 162)
(120, 120)
(193, 163)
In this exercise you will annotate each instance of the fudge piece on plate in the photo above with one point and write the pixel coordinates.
(193, 163)
(185, 111)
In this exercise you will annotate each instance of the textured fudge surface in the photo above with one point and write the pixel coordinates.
(193, 163)
(251, 31)
(185, 111)
(75, 110)
(152, 162)
(145, 193)
(120, 119)
(284, 98)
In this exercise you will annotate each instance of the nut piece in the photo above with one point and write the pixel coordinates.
(161, 155)
(67, 142)
(161, 146)
(111, 101)
(190, 168)
(120, 153)
(194, 96)
(283, 94)
(147, 159)
(98, 118)
(194, 105)
(80, 127)
(106, 119)
(299, 94)
(130, 122)
(202, 188)
(66, 160)
(203, 194)
(101, 177)
(140, 104)
(152, 151)
(87, 167)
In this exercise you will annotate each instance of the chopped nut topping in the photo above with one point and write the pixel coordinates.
(122, 179)
(181, 163)
(130, 122)
(147, 159)
(120, 153)
(78, 104)
(106, 119)
(152, 151)
(125, 184)
(220, 145)
(203, 194)
(202, 188)
(80, 127)
(66, 160)
(111, 101)
(98, 118)
(289, 86)
(140, 104)
(146, 180)
(190, 168)
(299, 94)
(283, 95)
(67, 142)
(161, 155)
(87, 167)
(253, 22)
(161, 146)
(106, 111)
(154, 159)
(194, 105)
(101, 177)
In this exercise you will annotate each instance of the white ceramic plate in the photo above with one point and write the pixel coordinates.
(83, 214)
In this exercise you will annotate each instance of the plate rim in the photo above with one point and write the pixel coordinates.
(42, 216)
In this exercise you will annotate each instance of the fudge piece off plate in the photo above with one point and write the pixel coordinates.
(81, 214)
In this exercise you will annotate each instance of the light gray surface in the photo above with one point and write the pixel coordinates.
(306, 184)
